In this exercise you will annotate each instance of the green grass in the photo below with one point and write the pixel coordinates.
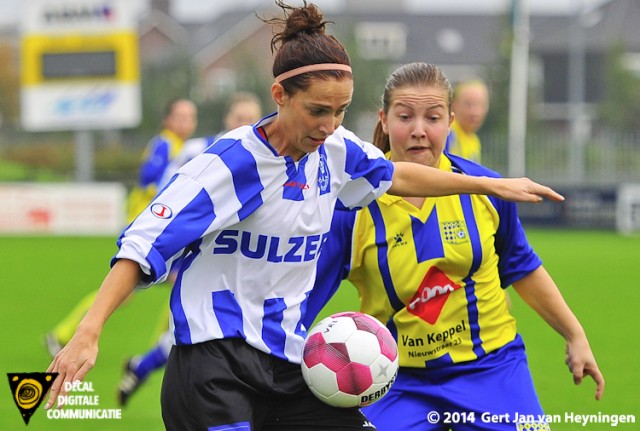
(42, 278)
(13, 171)
(597, 273)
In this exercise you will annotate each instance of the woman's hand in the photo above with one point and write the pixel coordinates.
(72, 364)
(540, 292)
(581, 363)
(523, 190)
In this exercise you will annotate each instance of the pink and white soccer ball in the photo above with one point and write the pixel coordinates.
(350, 359)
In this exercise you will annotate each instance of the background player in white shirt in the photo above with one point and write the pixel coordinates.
(249, 217)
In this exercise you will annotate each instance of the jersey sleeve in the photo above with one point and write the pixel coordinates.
(333, 264)
(176, 218)
(217, 189)
(369, 174)
(516, 256)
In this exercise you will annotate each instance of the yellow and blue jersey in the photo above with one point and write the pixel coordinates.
(463, 144)
(435, 275)
(156, 162)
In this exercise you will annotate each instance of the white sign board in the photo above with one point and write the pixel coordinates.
(62, 209)
(628, 208)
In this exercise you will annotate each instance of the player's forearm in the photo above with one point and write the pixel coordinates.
(540, 292)
(116, 287)
(412, 179)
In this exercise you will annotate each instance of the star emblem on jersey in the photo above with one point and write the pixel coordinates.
(432, 294)
(454, 232)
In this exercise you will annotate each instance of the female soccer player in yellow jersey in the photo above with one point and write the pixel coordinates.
(434, 270)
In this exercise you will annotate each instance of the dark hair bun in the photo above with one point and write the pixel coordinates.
(298, 21)
(300, 39)
(307, 19)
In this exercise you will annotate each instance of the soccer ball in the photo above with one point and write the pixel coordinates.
(350, 359)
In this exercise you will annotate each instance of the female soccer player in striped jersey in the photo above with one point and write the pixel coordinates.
(249, 217)
(434, 270)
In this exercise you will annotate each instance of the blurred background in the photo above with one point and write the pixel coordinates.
(564, 80)
(207, 50)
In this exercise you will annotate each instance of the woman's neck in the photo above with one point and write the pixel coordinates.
(278, 140)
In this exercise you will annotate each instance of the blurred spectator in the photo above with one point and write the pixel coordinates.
(179, 123)
(243, 108)
(470, 106)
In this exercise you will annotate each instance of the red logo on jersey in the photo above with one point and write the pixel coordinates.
(297, 184)
(431, 296)
(161, 211)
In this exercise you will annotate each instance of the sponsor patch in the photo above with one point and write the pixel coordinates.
(432, 294)
(161, 211)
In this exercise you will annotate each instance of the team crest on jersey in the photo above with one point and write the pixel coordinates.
(161, 211)
(454, 232)
(323, 174)
(432, 294)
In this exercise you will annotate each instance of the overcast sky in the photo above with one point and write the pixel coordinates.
(199, 8)
(203, 9)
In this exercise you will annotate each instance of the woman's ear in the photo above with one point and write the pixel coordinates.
(383, 121)
(278, 94)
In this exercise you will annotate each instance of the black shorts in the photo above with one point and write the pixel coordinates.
(229, 385)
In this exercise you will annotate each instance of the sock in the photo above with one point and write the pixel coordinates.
(149, 362)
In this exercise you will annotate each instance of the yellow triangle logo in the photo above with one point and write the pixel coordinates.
(28, 390)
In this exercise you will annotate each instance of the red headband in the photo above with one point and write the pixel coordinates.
(312, 68)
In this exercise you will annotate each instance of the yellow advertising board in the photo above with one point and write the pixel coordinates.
(79, 65)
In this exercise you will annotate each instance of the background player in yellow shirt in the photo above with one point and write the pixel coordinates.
(179, 121)
(470, 105)
(434, 271)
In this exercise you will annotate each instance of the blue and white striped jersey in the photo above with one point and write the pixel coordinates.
(250, 225)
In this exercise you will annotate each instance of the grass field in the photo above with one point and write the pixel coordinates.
(42, 278)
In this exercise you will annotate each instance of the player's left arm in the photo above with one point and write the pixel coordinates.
(540, 292)
(414, 179)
